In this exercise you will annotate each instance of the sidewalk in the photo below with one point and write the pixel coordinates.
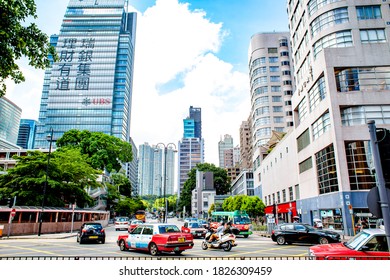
(42, 236)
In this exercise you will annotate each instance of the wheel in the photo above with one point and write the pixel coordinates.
(246, 235)
(153, 250)
(323, 240)
(280, 240)
(116, 229)
(122, 245)
(204, 245)
(228, 247)
(81, 241)
(177, 253)
(103, 240)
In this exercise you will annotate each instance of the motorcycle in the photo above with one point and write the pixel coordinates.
(226, 242)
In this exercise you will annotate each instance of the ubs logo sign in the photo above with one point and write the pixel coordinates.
(96, 101)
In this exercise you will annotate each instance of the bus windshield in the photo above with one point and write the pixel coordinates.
(241, 219)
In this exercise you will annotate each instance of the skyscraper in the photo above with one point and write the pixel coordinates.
(10, 115)
(191, 146)
(90, 87)
(149, 176)
(271, 84)
(26, 135)
(224, 145)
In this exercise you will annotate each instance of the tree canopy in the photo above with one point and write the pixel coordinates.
(18, 40)
(68, 176)
(221, 183)
(104, 151)
(253, 205)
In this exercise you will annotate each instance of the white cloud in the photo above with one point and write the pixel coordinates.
(179, 47)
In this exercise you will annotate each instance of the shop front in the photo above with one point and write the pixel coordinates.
(284, 212)
(332, 218)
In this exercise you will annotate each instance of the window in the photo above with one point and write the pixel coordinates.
(317, 93)
(286, 73)
(274, 68)
(368, 12)
(360, 165)
(273, 59)
(303, 140)
(276, 99)
(260, 90)
(283, 43)
(372, 36)
(302, 110)
(288, 92)
(284, 54)
(277, 109)
(305, 165)
(285, 63)
(328, 19)
(287, 83)
(362, 78)
(340, 39)
(275, 79)
(360, 115)
(275, 88)
(314, 5)
(278, 119)
(321, 125)
(272, 50)
(290, 193)
(326, 170)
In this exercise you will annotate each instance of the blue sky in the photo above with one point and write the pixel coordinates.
(187, 53)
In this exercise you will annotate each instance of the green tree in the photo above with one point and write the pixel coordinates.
(128, 206)
(253, 205)
(69, 176)
(221, 183)
(18, 40)
(104, 151)
(122, 183)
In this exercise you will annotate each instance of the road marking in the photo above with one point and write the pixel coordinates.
(30, 249)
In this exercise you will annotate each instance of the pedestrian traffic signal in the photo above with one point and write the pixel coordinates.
(383, 139)
(9, 202)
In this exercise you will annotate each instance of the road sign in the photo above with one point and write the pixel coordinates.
(13, 212)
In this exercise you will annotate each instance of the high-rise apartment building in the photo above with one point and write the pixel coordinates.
(342, 69)
(151, 173)
(10, 115)
(223, 145)
(271, 84)
(26, 135)
(191, 146)
(90, 87)
(246, 147)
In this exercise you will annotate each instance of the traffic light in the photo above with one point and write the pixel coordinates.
(9, 202)
(383, 139)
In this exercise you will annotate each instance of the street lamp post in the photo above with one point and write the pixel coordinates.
(169, 145)
(50, 139)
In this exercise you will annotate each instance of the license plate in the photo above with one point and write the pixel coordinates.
(181, 239)
(93, 237)
(199, 234)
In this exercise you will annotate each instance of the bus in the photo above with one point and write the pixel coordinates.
(140, 215)
(239, 219)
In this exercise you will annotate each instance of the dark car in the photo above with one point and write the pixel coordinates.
(303, 233)
(91, 232)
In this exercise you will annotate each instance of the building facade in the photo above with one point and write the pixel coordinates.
(246, 147)
(223, 145)
(26, 135)
(190, 147)
(271, 84)
(132, 169)
(10, 115)
(90, 87)
(341, 65)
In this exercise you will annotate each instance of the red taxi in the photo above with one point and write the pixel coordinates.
(156, 238)
(134, 224)
(367, 244)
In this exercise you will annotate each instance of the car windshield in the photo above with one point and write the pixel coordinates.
(93, 226)
(193, 225)
(122, 219)
(241, 220)
(168, 228)
(357, 240)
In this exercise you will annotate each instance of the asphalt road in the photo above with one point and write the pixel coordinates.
(254, 246)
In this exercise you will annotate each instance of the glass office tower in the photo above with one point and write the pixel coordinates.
(90, 87)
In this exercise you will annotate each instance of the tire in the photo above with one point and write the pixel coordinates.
(153, 250)
(103, 241)
(228, 247)
(122, 245)
(323, 240)
(81, 241)
(246, 235)
(204, 245)
(178, 253)
(280, 240)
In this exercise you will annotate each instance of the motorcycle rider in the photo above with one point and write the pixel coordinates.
(215, 235)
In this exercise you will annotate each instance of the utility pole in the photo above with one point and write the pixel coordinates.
(380, 180)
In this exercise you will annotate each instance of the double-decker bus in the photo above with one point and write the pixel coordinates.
(239, 219)
(140, 215)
